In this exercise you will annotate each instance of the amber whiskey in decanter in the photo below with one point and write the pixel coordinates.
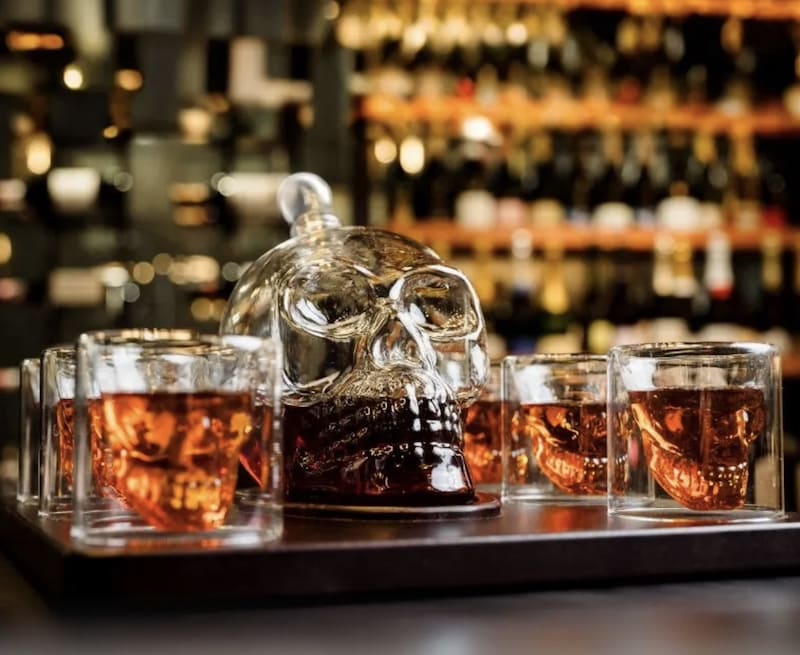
(358, 450)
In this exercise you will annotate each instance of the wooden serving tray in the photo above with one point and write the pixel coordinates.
(527, 547)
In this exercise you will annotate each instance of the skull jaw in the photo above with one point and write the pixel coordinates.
(567, 441)
(697, 486)
(180, 500)
(572, 472)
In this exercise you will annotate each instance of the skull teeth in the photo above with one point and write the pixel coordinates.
(697, 486)
(571, 472)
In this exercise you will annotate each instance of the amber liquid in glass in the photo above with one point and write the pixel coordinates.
(175, 455)
(568, 440)
(697, 441)
(102, 466)
(376, 451)
(483, 444)
(65, 437)
(251, 458)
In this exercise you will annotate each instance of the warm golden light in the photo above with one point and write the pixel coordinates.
(5, 248)
(128, 79)
(385, 150)
(162, 262)
(414, 38)
(331, 10)
(113, 274)
(412, 155)
(38, 154)
(201, 269)
(517, 33)
(73, 77)
(201, 309)
(477, 128)
(195, 124)
(218, 309)
(27, 41)
(50, 42)
(143, 272)
(226, 185)
(111, 132)
(22, 41)
(73, 189)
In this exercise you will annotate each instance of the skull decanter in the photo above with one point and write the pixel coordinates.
(384, 344)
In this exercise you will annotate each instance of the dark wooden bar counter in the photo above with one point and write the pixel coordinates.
(527, 548)
(712, 617)
(536, 580)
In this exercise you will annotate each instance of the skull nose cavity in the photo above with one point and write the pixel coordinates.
(394, 344)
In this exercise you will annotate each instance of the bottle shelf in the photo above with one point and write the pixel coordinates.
(576, 239)
(577, 115)
(746, 9)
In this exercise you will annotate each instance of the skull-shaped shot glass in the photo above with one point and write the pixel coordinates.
(695, 432)
(554, 428)
(175, 409)
(384, 344)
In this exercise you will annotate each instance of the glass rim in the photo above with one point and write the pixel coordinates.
(59, 350)
(155, 338)
(678, 349)
(554, 358)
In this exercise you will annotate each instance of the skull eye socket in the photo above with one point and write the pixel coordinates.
(441, 304)
(322, 301)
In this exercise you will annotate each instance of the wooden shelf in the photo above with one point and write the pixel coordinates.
(778, 10)
(575, 239)
(576, 115)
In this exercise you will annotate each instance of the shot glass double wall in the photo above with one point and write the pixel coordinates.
(30, 431)
(695, 432)
(178, 414)
(58, 427)
(554, 428)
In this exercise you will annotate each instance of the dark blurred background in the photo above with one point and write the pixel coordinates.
(140, 147)
(605, 171)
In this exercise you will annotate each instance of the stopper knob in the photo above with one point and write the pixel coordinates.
(306, 202)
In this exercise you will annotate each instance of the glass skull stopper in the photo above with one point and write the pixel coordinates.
(383, 343)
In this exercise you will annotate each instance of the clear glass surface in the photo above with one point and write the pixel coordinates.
(58, 431)
(695, 432)
(554, 428)
(30, 431)
(384, 346)
(168, 423)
